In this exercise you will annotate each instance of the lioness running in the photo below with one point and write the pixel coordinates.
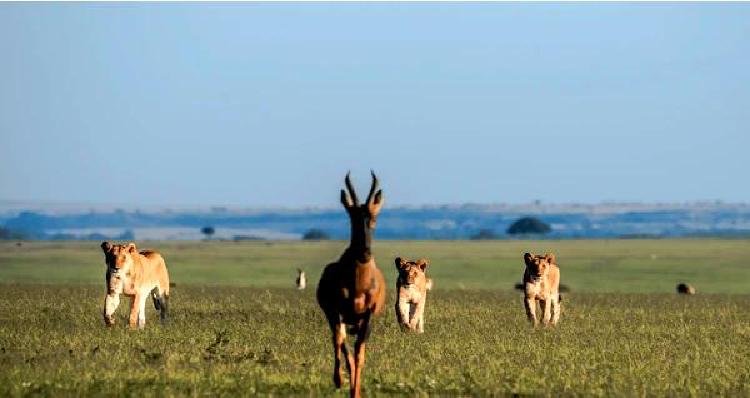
(411, 293)
(136, 275)
(541, 282)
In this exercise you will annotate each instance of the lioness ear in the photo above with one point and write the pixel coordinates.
(131, 247)
(527, 258)
(423, 263)
(106, 246)
(550, 258)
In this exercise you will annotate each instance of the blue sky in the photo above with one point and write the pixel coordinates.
(270, 104)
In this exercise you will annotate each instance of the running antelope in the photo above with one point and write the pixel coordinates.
(352, 289)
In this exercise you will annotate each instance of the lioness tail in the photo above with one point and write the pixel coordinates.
(161, 303)
(155, 297)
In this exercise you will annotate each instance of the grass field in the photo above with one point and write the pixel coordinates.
(238, 328)
(628, 266)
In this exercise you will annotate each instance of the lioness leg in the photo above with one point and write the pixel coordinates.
(555, 309)
(546, 310)
(133, 321)
(403, 309)
(530, 304)
(417, 322)
(142, 310)
(111, 302)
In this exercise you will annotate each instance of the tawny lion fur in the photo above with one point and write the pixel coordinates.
(412, 286)
(541, 281)
(137, 275)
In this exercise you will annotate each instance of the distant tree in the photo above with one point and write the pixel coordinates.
(208, 231)
(528, 225)
(484, 234)
(315, 234)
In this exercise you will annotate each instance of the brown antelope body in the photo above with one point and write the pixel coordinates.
(352, 289)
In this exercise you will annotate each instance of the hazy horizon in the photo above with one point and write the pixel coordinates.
(259, 105)
(17, 206)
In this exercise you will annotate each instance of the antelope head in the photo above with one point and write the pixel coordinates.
(363, 217)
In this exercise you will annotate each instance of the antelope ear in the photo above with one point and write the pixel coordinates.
(346, 200)
(377, 203)
(106, 246)
(423, 263)
(550, 258)
(131, 248)
(527, 257)
(378, 199)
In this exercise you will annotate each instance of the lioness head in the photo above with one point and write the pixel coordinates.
(118, 257)
(537, 264)
(410, 271)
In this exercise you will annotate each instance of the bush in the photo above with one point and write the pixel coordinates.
(528, 225)
(315, 234)
(483, 234)
(208, 231)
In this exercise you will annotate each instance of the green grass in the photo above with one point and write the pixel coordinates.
(240, 341)
(238, 328)
(628, 266)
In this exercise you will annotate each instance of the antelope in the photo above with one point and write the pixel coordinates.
(352, 289)
(301, 280)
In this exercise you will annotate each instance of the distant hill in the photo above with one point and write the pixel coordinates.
(567, 221)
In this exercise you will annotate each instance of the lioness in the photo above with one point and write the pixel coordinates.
(136, 275)
(541, 282)
(411, 293)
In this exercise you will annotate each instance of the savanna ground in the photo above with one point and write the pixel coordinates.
(239, 328)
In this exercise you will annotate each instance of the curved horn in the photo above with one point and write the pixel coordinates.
(349, 187)
(373, 188)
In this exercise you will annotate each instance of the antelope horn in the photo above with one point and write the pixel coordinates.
(349, 186)
(373, 188)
